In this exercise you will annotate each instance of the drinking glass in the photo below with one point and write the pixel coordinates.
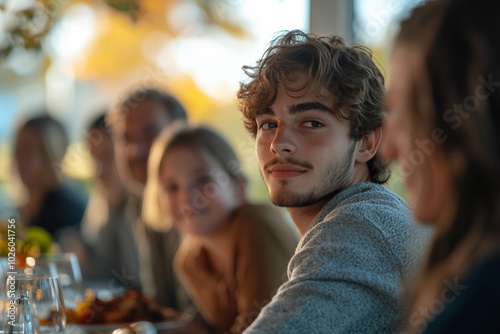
(33, 304)
(66, 267)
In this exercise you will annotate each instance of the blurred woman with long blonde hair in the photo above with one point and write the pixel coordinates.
(233, 255)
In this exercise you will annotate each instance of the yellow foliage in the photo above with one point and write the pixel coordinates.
(198, 104)
(117, 48)
(155, 12)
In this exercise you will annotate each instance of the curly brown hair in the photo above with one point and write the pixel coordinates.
(348, 72)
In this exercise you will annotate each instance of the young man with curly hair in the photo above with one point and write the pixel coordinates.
(315, 107)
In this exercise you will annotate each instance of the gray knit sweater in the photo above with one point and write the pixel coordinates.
(348, 270)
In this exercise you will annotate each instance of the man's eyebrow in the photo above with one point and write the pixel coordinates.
(265, 111)
(301, 107)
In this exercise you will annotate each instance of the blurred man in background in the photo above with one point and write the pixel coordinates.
(110, 245)
(135, 123)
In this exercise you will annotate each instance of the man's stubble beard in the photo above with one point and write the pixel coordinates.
(338, 177)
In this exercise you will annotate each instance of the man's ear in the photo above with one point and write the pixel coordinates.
(368, 145)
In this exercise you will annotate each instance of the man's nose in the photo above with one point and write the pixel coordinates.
(283, 141)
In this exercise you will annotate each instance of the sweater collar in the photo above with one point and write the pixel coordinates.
(342, 196)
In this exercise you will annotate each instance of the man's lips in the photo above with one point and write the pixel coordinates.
(281, 171)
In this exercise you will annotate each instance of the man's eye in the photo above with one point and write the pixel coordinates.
(313, 124)
(268, 125)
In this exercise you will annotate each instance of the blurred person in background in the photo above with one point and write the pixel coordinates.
(105, 230)
(443, 127)
(135, 123)
(52, 202)
(234, 254)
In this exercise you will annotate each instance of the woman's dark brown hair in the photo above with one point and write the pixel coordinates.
(54, 143)
(460, 49)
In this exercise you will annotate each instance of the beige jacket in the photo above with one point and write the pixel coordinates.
(261, 244)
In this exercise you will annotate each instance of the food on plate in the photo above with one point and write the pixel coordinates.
(132, 306)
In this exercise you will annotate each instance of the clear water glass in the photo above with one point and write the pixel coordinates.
(67, 268)
(33, 304)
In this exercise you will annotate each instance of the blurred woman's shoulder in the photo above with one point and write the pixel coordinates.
(264, 220)
(472, 303)
(63, 206)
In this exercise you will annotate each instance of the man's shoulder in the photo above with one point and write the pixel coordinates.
(370, 196)
(371, 217)
(369, 204)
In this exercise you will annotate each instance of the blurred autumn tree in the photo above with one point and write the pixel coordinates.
(127, 38)
(78, 56)
(26, 23)
(122, 27)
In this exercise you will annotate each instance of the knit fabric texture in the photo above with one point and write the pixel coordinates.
(349, 268)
